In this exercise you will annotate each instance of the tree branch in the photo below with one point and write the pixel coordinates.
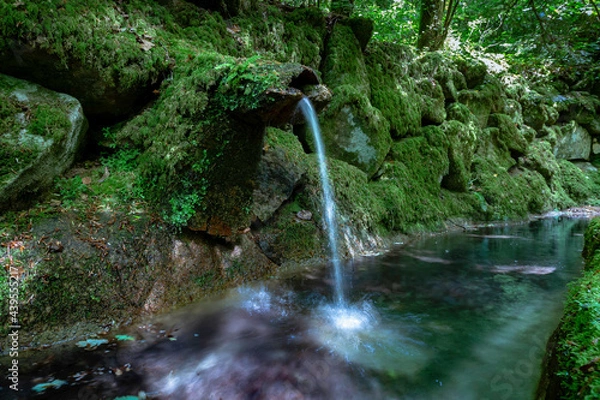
(593, 3)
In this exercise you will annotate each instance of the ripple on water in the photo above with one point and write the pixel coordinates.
(357, 333)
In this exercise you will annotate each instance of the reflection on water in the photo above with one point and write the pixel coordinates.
(458, 316)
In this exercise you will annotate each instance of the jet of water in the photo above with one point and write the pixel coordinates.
(329, 217)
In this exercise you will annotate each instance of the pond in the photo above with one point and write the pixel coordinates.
(453, 316)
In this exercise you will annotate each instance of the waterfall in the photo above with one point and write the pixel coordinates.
(328, 203)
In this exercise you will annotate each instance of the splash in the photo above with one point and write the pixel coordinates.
(329, 207)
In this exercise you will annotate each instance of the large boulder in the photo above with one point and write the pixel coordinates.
(354, 131)
(96, 52)
(538, 110)
(41, 131)
(344, 63)
(573, 143)
(279, 172)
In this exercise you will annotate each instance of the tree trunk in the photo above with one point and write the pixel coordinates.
(434, 23)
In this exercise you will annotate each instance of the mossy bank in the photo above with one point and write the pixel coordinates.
(571, 365)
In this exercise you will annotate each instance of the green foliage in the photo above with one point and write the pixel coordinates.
(244, 83)
(578, 351)
(49, 121)
(395, 21)
(70, 189)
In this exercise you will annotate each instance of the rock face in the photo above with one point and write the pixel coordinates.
(573, 143)
(278, 174)
(41, 133)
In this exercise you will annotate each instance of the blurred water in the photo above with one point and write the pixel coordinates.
(455, 316)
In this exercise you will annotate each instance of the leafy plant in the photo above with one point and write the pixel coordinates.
(244, 83)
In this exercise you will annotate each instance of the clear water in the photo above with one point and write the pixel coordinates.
(456, 316)
(329, 208)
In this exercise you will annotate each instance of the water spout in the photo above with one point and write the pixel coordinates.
(329, 209)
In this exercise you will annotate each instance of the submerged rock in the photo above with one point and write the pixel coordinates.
(41, 133)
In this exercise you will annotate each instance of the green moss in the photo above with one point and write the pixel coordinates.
(296, 36)
(581, 188)
(344, 63)
(577, 348)
(392, 92)
(462, 140)
(510, 195)
(508, 137)
(354, 131)
(97, 34)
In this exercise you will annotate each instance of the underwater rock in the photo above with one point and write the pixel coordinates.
(41, 131)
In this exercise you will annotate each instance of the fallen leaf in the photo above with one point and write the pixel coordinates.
(86, 180)
(145, 44)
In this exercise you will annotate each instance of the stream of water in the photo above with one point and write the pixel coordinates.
(454, 316)
(328, 202)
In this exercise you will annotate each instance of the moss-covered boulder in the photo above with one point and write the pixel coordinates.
(508, 136)
(580, 107)
(573, 142)
(472, 69)
(354, 131)
(393, 93)
(541, 159)
(433, 109)
(108, 57)
(462, 139)
(281, 167)
(437, 65)
(537, 110)
(40, 133)
(202, 140)
(344, 63)
(228, 8)
(295, 36)
(570, 365)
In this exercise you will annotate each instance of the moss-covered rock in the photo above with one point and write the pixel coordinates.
(281, 167)
(462, 139)
(537, 110)
(202, 140)
(41, 132)
(580, 187)
(354, 131)
(109, 58)
(472, 69)
(296, 36)
(433, 109)
(572, 365)
(392, 92)
(580, 107)
(573, 142)
(344, 63)
(541, 159)
(508, 136)
(437, 65)
(510, 194)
